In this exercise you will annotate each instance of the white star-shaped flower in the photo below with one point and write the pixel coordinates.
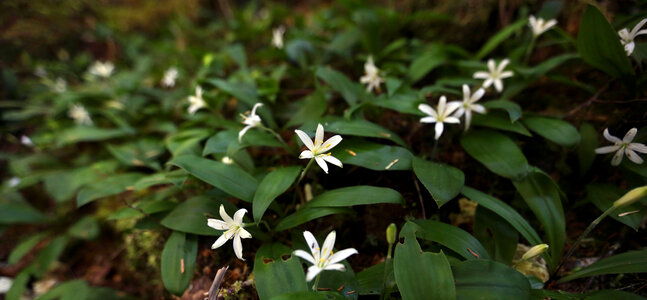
(233, 230)
(5, 284)
(80, 115)
(442, 115)
(469, 105)
(195, 101)
(277, 37)
(60, 85)
(495, 74)
(101, 69)
(25, 140)
(539, 25)
(371, 76)
(169, 77)
(324, 258)
(319, 149)
(623, 146)
(252, 120)
(627, 37)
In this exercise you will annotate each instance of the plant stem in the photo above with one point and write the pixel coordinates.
(314, 286)
(526, 57)
(303, 173)
(278, 136)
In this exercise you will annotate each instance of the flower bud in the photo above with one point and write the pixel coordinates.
(631, 197)
(391, 232)
(534, 252)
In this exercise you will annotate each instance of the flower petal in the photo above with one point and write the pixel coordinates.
(506, 74)
(335, 267)
(466, 92)
(331, 143)
(478, 108)
(322, 164)
(502, 65)
(425, 108)
(452, 120)
(451, 107)
(638, 147)
(238, 248)
(439, 129)
(306, 154)
(428, 119)
(341, 255)
(217, 224)
(488, 82)
(313, 271)
(242, 132)
(257, 105)
(481, 75)
(225, 217)
(491, 65)
(244, 233)
(328, 245)
(633, 156)
(630, 135)
(609, 137)
(498, 84)
(219, 242)
(238, 216)
(468, 119)
(333, 160)
(305, 255)
(607, 149)
(617, 158)
(319, 135)
(305, 139)
(312, 244)
(477, 95)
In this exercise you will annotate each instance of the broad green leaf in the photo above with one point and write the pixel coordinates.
(421, 275)
(275, 276)
(513, 109)
(497, 152)
(19, 212)
(306, 214)
(138, 154)
(499, 120)
(228, 178)
(542, 195)
(69, 290)
(186, 142)
(273, 184)
(227, 141)
(356, 195)
(452, 237)
(178, 261)
(499, 37)
(45, 258)
(62, 185)
(603, 196)
(349, 90)
(88, 134)
(557, 131)
(628, 262)
(310, 295)
(532, 73)
(442, 181)
(406, 103)
(425, 63)
(504, 211)
(374, 279)
(20, 250)
(105, 293)
(191, 215)
(110, 186)
(87, 228)
(361, 128)
(148, 207)
(373, 156)
(611, 294)
(496, 235)
(177, 178)
(310, 108)
(19, 285)
(586, 149)
(244, 92)
(486, 279)
(345, 283)
(599, 45)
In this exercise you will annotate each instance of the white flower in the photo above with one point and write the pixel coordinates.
(13, 181)
(627, 37)
(623, 146)
(227, 160)
(469, 105)
(539, 25)
(252, 120)
(371, 76)
(441, 116)
(233, 230)
(319, 148)
(5, 284)
(40, 72)
(101, 69)
(324, 258)
(495, 74)
(196, 102)
(80, 115)
(169, 77)
(277, 37)
(60, 85)
(25, 140)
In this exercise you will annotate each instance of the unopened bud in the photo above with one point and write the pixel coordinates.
(631, 196)
(391, 232)
(534, 252)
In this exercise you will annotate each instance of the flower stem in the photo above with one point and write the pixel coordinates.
(303, 173)
(526, 57)
(278, 136)
(314, 286)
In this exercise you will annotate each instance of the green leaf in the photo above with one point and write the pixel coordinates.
(486, 279)
(177, 178)
(20, 250)
(148, 207)
(349, 90)
(452, 237)
(611, 294)
(88, 134)
(69, 290)
(586, 149)
(426, 62)
(372, 279)
(343, 282)
(62, 185)
(557, 131)
(306, 214)
(442, 181)
(244, 92)
(373, 156)
(87, 228)
(599, 45)
(603, 196)
(504, 211)
(497, 152)
(19, 212)
(310, 108)
(178, 261)
(186, 142)
(19, 285)
(496, 235)
(140, 153)
(227, 141)
(361, 128)
(628, 262)
(513, 109)
(275, 276)
(274, 184)
(542, 195)
(421, 275)
(499, 37)
(309, 295)
(110, 186)
(228, 178)
(46, 257)
(499, 120)
(356, 195)
(191, 216)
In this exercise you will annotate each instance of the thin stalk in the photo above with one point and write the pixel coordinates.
(526, 57)
(314, 286)
(434, 150)
(276, 135)
(303, 173)
(384, 276)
